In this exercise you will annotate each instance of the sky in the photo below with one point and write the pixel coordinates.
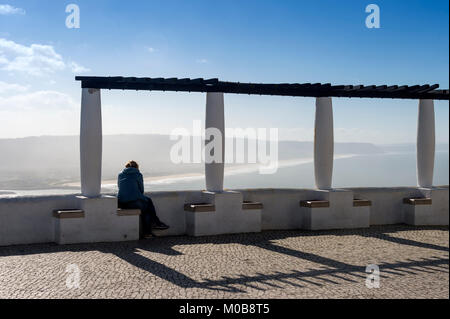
(236, 40)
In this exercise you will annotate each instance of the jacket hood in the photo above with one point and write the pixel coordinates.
(130, 170)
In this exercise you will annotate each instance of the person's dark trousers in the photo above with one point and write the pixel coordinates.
(148, 212)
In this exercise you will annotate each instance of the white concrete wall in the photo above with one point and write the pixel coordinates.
(25, 220)
(387, 203)
(281, 207)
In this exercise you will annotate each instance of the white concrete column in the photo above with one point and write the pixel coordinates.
(215, 119)
(323, 143)
(91, 142)
(425, 143)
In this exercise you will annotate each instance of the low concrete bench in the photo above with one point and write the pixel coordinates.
(95, 220)
(68, 223)
(68, 213)
(420, 211)
(340, 211)
(222, 213)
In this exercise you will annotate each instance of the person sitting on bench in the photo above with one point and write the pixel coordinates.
(131, 196)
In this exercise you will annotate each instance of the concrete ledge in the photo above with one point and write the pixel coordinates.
(315, 203)
(362, 203)
(199, 208)
(128, 212)
(29, 219)
(68, 213)
(252, 205)
(417, 201)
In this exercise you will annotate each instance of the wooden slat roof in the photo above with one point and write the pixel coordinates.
(426, 91)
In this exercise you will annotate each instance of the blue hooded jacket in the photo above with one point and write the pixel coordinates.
(131, 185)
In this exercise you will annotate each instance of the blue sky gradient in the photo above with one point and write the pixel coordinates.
(238, 40)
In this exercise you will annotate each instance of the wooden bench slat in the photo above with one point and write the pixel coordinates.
(252, 205)
(68, 213)
(315, 203)
(417, 201)
(361, 203)
(199, 207)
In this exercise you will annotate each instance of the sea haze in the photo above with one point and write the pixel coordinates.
(50, 165)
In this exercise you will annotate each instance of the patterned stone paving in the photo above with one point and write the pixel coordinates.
(413, 262)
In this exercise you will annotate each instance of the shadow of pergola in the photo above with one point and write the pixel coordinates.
(330, 271)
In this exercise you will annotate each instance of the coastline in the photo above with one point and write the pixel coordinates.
(234, 170)
(283, 178)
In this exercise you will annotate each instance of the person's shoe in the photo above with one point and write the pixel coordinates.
(160, 226)
(148, 236)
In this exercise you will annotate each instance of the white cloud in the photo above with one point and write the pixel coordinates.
(41, 101)
(3, 59)
(6, 9)
(151, 50)
(76, 68)
(11, 87)
(36, 59)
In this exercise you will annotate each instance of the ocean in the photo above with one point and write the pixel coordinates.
(381, 170)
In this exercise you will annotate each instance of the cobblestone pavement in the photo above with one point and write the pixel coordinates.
(414, 263)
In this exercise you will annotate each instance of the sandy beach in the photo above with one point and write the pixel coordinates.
(230, 170)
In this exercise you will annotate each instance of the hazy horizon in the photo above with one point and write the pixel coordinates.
(52, 162)
(164, 134)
